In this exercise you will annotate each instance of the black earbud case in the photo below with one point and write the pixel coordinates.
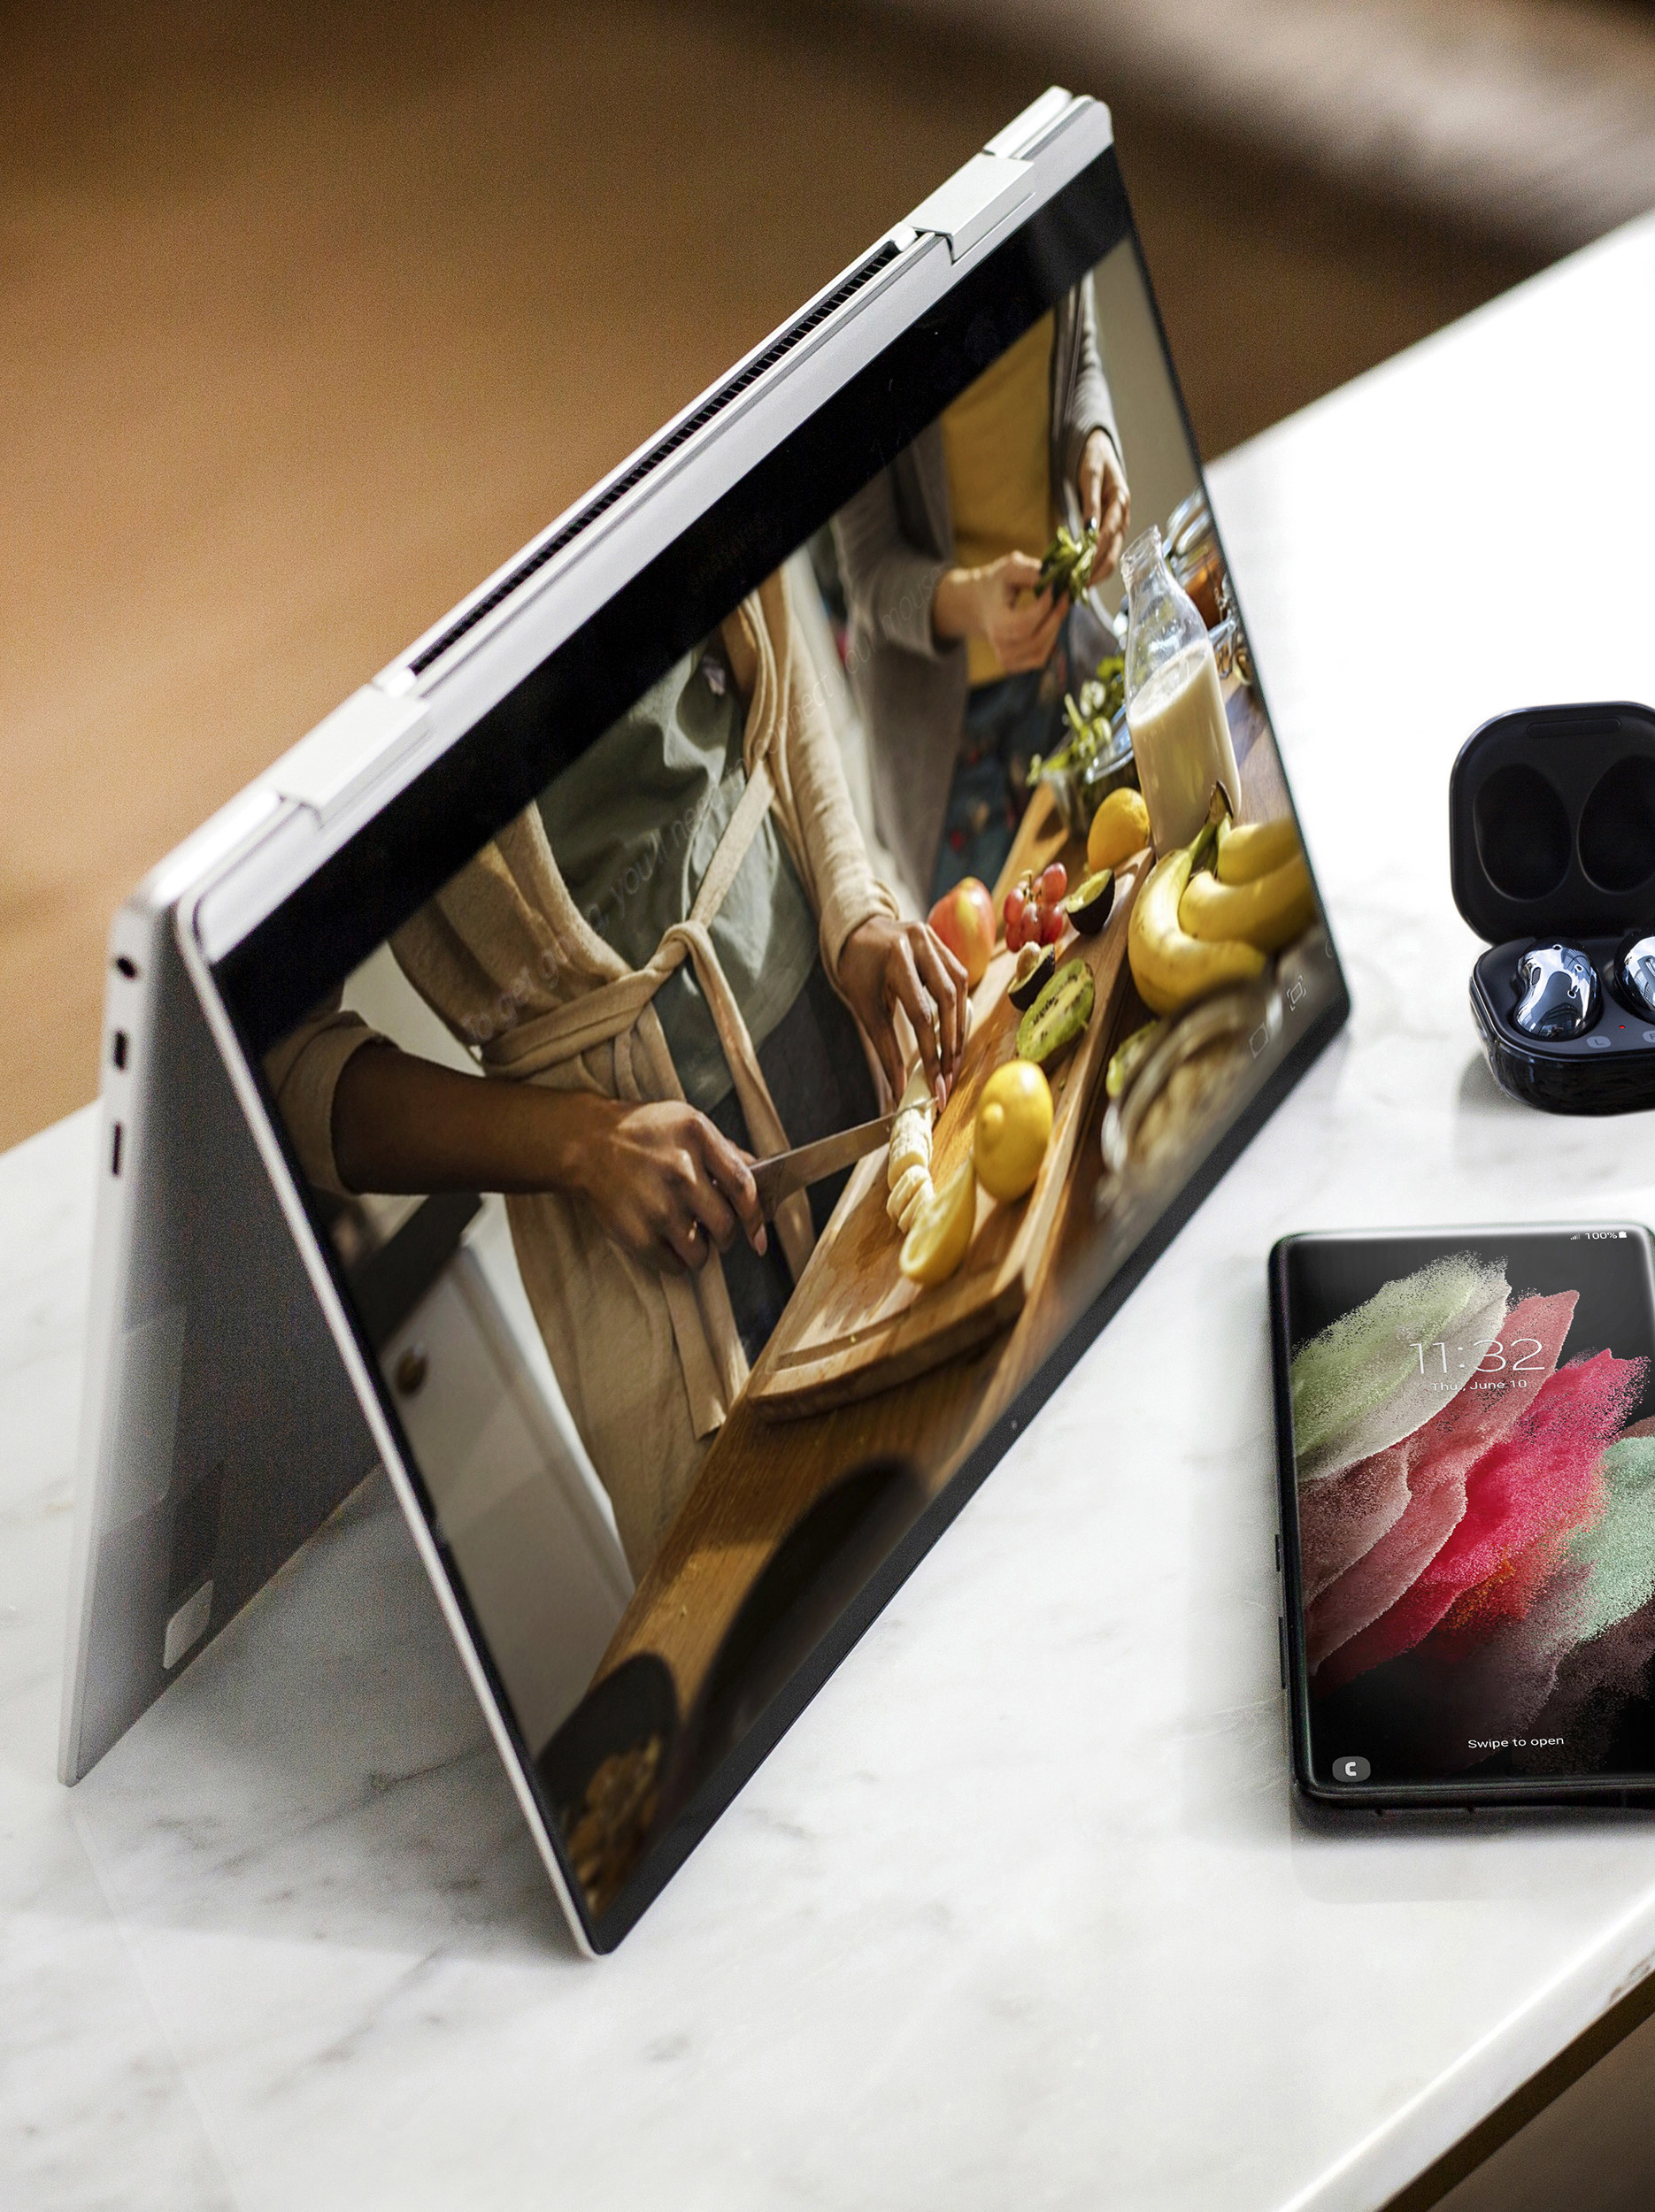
(1551, 832)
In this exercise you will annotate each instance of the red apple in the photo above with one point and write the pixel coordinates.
(964, 920)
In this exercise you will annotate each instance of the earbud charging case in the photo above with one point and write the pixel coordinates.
(1551, 832)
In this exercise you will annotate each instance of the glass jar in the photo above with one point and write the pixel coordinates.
(1181, 734)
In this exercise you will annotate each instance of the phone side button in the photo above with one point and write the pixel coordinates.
(1281, 1625)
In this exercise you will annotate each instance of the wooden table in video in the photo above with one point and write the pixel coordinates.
(921, 1405)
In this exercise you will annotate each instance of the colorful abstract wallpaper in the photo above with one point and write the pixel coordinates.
(1476, 1504)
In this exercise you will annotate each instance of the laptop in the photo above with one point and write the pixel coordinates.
(676, 1068)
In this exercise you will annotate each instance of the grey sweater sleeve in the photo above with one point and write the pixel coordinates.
(1089, 406)
(889, 583)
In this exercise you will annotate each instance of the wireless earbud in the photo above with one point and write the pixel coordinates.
(1559, 988)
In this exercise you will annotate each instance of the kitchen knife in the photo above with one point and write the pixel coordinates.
(779, 1177)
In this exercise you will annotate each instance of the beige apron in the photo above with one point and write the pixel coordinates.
(612, 1013)
(505, 956)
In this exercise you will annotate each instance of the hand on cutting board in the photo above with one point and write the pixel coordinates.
(886, 964)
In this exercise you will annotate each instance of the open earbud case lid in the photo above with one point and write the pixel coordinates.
(1552, 822)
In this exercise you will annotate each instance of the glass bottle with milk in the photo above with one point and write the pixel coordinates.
(1180, 735)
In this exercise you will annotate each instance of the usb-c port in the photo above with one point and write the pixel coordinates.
(120, 1047)
(115, 1152)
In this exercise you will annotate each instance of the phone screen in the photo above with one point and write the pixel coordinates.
(1472, 1508)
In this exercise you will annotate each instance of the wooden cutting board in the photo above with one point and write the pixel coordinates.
(855, 1324)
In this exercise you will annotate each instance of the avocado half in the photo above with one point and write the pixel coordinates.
(1029, 981)
(1089, 904)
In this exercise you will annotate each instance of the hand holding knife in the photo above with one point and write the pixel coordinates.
(785, 1172)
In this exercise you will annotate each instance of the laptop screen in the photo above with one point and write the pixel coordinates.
(731, 1101)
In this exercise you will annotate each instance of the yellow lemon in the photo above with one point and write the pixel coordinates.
(937, 1242)
(1119, 828)
(1013, 1129)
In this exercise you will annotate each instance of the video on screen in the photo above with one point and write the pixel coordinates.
(717, 1157)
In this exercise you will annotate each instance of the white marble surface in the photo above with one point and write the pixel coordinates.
(1018, 1914)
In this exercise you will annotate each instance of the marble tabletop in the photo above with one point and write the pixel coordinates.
(1018, 1912)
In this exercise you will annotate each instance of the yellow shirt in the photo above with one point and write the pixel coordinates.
(997, 442)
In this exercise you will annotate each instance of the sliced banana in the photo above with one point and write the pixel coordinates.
(908, 1168)
(920, 1197)
(909, 1187)
(910, 1145)
(917, 1093)
(911, 1130)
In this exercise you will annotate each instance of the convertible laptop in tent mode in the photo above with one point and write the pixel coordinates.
(437, 1066)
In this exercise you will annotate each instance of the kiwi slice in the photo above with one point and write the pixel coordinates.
(1089, 905)
(1058, 1015)
(1036, 964)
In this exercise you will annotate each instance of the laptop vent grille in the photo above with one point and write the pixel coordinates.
(648, 462)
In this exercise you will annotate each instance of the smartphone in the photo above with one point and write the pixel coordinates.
(1465, 1440)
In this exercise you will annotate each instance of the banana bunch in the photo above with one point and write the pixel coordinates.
(1066, 563)
(1193, 932)
(1255, 849)
(1269, 912)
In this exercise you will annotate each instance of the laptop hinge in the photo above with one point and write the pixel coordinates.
(1021, 134)
(974, 200)
(344, 753)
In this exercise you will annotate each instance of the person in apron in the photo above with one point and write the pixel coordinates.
(959, 664)
(677, 959)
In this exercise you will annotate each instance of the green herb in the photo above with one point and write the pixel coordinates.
(1067, 564)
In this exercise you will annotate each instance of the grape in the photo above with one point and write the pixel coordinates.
(1016, 928)
(1054, 883)
(1050, 925)
(1015, 901)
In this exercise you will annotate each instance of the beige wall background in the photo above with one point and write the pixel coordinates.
(308, 319)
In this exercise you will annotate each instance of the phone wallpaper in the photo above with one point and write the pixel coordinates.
(1476, 1505)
